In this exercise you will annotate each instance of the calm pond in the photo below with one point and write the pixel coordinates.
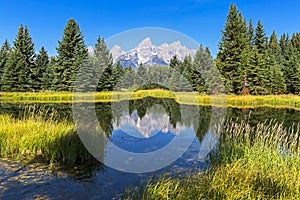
(138, 126)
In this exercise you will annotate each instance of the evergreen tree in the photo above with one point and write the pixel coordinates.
(4, 52)
(39, 73)
(141, 76)
(48, 76)
(276, 51)
(188, 67)
(205, 77)
(18, 72)
(186, 78)
(71, 54)
(103, 65)
(128, 78)
(160, 75)
(254, 72)
(102, 54)
(173, 83)
(260, 38)
(174, 62)
(296, 42)
(232, 49)
(12, 77)
(88, 81)
(117, 75)
(275, 65)
(283, 43)
(105, 82)
(291, 69)
(259, 75)
(276, 83)
(201, 66)
(251, 34)
(273, 42)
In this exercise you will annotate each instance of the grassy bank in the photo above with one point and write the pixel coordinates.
(259, 162)
(37, 138)
(62, 97)
(277, 101)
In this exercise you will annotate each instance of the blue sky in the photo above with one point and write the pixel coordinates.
(201, 20)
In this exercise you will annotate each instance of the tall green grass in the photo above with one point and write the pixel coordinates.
(260, 162)
(33, 137)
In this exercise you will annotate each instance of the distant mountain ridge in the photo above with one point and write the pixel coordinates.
(149, 54)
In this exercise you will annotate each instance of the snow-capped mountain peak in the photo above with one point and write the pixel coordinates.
(146, 43)
(116, 52)
(148, 54)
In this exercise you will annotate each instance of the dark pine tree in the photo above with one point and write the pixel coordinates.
(260, 38)
(174, 62)
(257, 75)
(71, 54)
(296, 42)
(48, 76)
(103, 65)
(232, 50)
(291, 69)
(141, 77)
(41, 62)
(283, 43)
(186, 80)
(4, 52)
(173, 83)
(18, 72)
(117, 75)
(128, 78)
(258, 59)
(202, 65)
(275, 65)
(251, 34)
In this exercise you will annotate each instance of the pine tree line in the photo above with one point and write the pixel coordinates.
(21, 69)
(248, 61)
(251, 62)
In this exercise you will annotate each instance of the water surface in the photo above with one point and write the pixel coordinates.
(139, 126)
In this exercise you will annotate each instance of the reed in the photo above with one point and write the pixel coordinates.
(260, 162)
(33, 137)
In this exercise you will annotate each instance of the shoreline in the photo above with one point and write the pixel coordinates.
(190, 98)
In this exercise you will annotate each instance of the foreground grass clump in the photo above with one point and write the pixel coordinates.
(34, 137)
(261, 162)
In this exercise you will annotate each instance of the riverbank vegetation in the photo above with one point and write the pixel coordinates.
(33, 137)
(260, 162)
(275, 101)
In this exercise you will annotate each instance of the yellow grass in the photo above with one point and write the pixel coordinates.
(276, 101)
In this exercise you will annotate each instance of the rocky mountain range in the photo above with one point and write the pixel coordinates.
(149, 54)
